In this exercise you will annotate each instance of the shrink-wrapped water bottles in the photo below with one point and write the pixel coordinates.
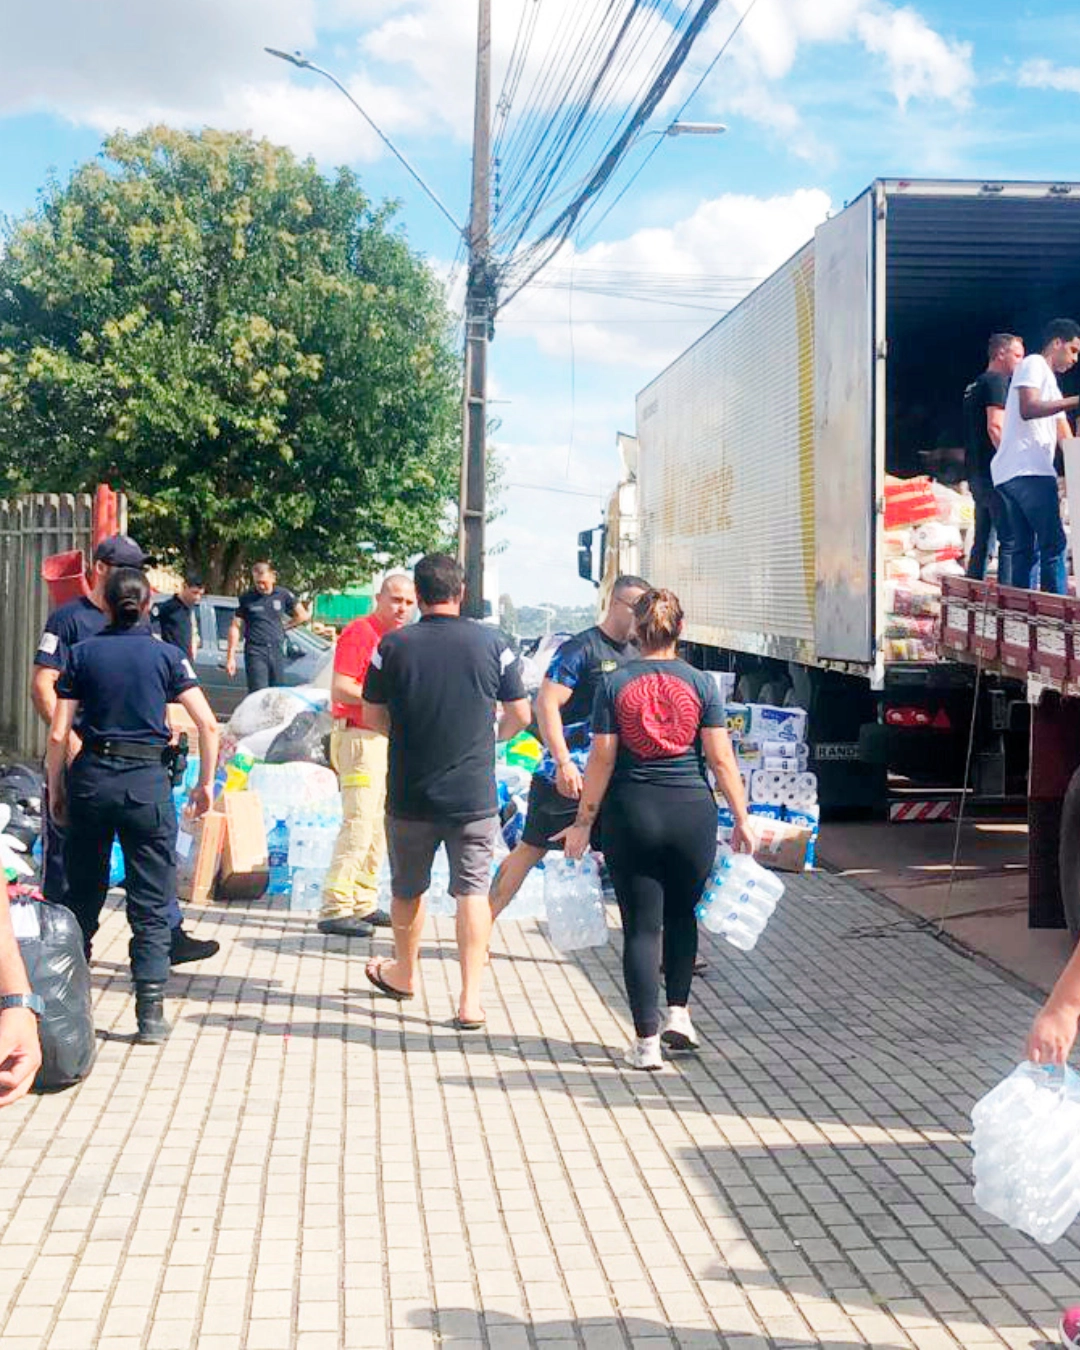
(739, 899)
(574, 900)
(1027, 1150)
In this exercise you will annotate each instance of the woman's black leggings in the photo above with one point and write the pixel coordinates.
(659, 845)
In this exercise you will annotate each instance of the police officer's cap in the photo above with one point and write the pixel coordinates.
(120, 550)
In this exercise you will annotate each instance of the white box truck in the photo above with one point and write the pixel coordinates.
(762, 454)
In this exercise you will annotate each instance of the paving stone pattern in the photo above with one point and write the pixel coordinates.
(306, 1166)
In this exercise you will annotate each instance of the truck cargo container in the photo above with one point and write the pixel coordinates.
(756, 487)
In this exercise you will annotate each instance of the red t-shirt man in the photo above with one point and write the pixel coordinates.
(352, 656)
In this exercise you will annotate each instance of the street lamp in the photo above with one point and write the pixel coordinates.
(298, 59)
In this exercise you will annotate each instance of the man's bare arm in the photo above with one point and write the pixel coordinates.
(346, 689)
(515, 717)
(1033, 407)
(43, 692)
(995, 423)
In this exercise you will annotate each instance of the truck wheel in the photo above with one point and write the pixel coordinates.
(1069, 855)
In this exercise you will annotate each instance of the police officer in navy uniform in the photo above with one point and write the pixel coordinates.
(67, 625)
(174, 618)
(261, 614)
(119, 685)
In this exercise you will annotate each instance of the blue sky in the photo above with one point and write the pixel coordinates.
(820, 97)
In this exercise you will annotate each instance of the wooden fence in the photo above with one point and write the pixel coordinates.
(31, 529)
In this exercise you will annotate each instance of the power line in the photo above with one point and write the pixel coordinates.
(693, 93)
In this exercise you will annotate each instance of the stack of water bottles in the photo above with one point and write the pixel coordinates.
(739, 899)
(312, 835)
(1027, 1150)
(574, 900)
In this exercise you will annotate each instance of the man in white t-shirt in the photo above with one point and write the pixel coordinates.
(1023, 469)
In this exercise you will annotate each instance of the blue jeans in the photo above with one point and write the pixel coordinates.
(1034, 520)
(989, 521)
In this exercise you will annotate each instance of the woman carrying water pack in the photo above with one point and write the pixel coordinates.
(658, 726)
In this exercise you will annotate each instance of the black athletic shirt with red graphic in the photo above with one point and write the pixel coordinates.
(657, 710)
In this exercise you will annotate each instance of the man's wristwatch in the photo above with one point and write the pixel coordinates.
(34, 1002)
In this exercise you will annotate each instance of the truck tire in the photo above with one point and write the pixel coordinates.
(1069, 855)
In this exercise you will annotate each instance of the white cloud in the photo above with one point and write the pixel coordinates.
(1041, 74)
(922, 64)
(739, 237)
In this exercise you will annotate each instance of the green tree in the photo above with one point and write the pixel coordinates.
(247, 348)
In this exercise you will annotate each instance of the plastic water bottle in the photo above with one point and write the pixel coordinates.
(277, 850)
(529, 901)
(1027, 1150)
(439, 900)
(307, 889)
(739, 899)
(574, 900)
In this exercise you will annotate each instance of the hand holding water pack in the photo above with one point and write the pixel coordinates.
(739, 899)
(1027, 1150)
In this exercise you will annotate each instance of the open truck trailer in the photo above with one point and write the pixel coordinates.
(757, 486)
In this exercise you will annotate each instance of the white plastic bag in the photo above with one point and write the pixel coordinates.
(276, 706)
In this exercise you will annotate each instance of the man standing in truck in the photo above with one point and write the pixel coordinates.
(984, 416)
(1023, 469)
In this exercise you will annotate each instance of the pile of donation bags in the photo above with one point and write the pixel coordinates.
(925, 535)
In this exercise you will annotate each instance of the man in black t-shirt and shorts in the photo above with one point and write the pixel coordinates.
(563, 712)
(984, 416)
(433, 688)
(261, 613)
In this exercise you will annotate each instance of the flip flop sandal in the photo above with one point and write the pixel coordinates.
(467, 1024)
(371, 970)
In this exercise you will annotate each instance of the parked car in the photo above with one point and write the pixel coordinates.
(306, 655)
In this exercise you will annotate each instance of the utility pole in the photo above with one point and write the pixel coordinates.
(479, 317)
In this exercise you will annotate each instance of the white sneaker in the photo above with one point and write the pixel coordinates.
(644, 1053)
(678, 1032)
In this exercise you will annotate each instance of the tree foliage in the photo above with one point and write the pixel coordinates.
(244, 346)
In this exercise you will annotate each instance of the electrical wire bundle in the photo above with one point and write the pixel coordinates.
(608, 65)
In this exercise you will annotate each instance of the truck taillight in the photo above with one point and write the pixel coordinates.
(907, 717)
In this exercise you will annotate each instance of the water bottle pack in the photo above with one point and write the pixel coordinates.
(739, 899)
(574, 900)
(1027, 1150)
(529, 901)
(306, 889)
(312, 835)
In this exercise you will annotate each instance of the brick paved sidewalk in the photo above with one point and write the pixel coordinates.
(304, 1165)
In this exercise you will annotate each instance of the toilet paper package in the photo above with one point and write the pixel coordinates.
(774, 787)
(809, 817)
(783, 764)
(768, 723)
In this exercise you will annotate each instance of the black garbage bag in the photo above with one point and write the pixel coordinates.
(52, 948)
(25, 781)
(304, 738)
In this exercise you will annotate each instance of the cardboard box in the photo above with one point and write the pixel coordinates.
(780, 845)
(245, 864)
(198, 856)
(179, 719)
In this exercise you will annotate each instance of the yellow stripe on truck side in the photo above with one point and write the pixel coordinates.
(804, 328)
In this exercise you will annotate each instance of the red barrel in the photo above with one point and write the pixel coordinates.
(65, 576)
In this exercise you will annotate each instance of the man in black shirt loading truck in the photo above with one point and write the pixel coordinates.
(984, 416)
(261, 613)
